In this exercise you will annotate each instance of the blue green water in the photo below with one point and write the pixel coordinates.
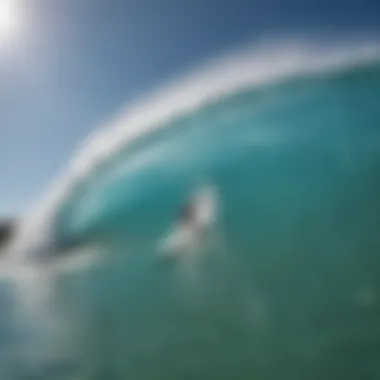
(291, 291)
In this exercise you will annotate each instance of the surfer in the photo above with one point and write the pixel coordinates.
(195, 216)
(7, 230)
(188, 217)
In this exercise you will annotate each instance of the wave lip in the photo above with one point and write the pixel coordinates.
(244, 68)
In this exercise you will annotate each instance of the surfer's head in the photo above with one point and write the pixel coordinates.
(186, 213)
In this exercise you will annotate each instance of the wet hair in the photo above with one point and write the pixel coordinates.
(186, 213)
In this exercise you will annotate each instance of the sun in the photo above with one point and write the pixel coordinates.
(9, 19)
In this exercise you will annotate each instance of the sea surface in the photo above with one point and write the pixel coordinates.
(288, 287)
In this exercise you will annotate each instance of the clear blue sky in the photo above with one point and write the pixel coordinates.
(75, 63)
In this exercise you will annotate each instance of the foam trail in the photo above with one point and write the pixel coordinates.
(34, 287)
(45, 320)
(34, 283)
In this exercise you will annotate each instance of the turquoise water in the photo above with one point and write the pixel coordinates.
(291, 289)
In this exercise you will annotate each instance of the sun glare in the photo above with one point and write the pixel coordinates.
(8, 18)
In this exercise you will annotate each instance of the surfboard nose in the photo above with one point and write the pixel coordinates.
(205, 205)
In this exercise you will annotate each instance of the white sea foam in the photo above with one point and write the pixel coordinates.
(254, 65)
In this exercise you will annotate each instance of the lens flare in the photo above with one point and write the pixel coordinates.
(9, 18)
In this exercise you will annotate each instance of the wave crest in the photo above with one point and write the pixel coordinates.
(243, 68)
